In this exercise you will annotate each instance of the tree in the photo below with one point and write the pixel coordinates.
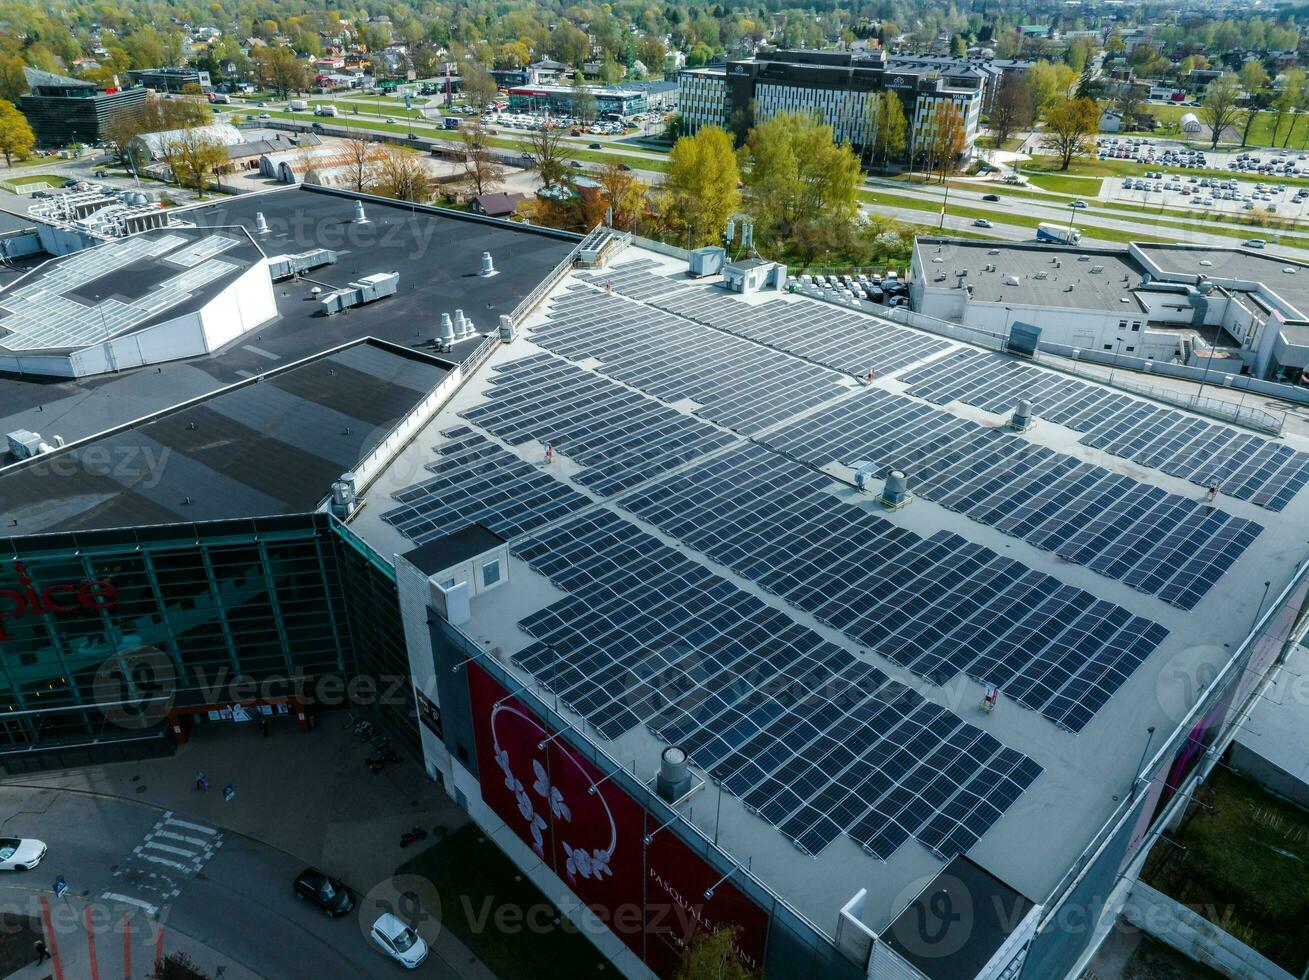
(948, 137)
(194, 157)
(621, 191)
(1129, 100)
(1287, 100)
(13, 82)
(401, 174)
(583, 101)
(1253, 77)
(795, 169)
(892, 128)
(547, 151)
(16, 136)
(1070, 126)
(1013, 109)
(712, 954)
(278, 70)
(1219, 109)
(477, 84)
(482, 169)
(1050, 83)
(362, 159)
(701, 186)
(156, 116)
(1080, 53)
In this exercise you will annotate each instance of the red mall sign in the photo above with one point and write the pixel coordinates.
(60, 599)
(592, 834)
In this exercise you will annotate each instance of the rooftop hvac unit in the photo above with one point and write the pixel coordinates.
(1011, 280)
(993, 251)
(1097, 269)
(24, 443)
(896, 492)
(1084, 258)
(366, 290)
(1041, 274)
(285, 266)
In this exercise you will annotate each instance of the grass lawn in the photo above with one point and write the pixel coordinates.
(500, 915)
(1063, 184)
(1242, 865)
(1261, 133)
(35, 180)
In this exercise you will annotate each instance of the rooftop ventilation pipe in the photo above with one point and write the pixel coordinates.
(1022, 419)
(445, 334)
(360, 217)
(488, 268)
(896, 492)
(461, 325)
(261, 223)
(674, 779)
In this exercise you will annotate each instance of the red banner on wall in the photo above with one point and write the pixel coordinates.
(652, 897)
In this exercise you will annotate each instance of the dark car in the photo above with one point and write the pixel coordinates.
(990, 197)
(327, 893)
(595, 146)
(623, 166)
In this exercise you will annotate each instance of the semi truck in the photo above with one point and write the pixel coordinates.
(1058, 234)
(325, 110)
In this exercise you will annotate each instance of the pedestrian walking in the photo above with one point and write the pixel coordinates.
(263, 727)
(201, 782)
(42, 954)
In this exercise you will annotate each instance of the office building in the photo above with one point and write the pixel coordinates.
(173, 80)
(64, 110)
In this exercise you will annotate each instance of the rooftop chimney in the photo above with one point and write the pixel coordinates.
(488, 268)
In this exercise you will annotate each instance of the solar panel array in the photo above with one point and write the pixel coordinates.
(737, 384)
(812, 740)
(1245, 466)
(844, 341)
(619, 436)
(1154, 541)
(477, 482)
(937, 605)
(201, 249)
(40, 316)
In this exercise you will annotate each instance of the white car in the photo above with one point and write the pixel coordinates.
(397, 940)
(19, 854)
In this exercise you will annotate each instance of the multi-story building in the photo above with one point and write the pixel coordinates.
(561, 98)
(169, 79)
(64, 110)
(836, 85)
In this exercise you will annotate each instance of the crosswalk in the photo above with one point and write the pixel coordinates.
(172, 852)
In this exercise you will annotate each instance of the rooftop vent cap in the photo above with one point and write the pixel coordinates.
(896, 492)
(261, 223)
(1289, 270)
(1011, 280)
(1084, 258)
(1123, 299)
(993, 251)
(937, 258)
(674, 779)
(360, 217)
(1206, 262)
(1022, 418)
(445, 334)
(488, 267)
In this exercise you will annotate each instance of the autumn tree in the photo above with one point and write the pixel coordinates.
(1219, 109)
(795, 169)
(402, 174)
(482, 169)
(1013, 109)
(477, 84)
(621, 192)
(194, 157)
(700, 190)
(16, 136)
(547, 150)
(1070, 126)
(947, 139)
(1050, 82)
(277, 69)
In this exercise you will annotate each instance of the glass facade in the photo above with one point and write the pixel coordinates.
(94, 625)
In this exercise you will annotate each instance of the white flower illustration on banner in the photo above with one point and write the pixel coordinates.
(542, 785)
(587, 864)
(511, 781)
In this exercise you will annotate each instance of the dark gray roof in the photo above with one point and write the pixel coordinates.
(264, 447)
(435, 252)
(499, 203)
(442, 553)
(36, 78)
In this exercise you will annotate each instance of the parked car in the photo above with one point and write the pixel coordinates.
(327, 893)
(398, 941)
(20, 853)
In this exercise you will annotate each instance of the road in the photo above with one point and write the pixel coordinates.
(233, 894)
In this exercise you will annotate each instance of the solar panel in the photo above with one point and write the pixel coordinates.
(812, 740)
(936, 605)
(853, 343)
(477, 482)
(1046, 498)
(617, 436)
(1244, 466)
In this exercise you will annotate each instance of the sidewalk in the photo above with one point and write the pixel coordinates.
(308, 794)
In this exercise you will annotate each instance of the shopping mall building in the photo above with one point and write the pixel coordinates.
(891, 651)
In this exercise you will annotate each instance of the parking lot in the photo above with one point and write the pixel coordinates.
(1231, 195)
(888, 290)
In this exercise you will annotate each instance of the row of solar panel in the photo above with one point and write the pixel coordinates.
(937, 605)
(852, 343)
(477, 482)
(737, 384)
(618, 436)
(1245, 466)
(812, 740)
(1154, 541)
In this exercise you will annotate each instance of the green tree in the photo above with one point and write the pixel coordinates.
(1070, 125)
(701, 187)
(16, 136)
(1050, 83)
(1253, 77)
(1288, 101)
(12, 81)
(892, 129)
(582, 103)
(795, 169)
(1013, 109)
(1219, 110)
(194, 157)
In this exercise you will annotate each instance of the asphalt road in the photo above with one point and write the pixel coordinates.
(238, 900)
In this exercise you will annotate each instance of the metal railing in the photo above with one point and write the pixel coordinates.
(528, 302)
